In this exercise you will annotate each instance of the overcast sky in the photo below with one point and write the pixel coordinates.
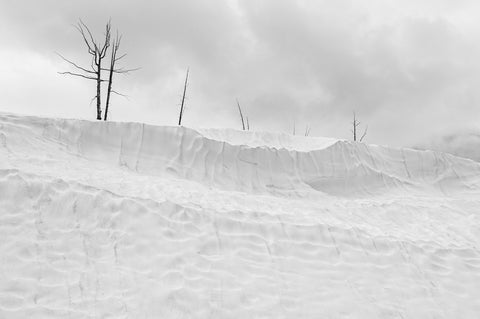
(409, 68)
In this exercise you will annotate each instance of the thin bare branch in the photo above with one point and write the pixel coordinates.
(106, 44)
(364, 133)
(74, 64)
(83, 25)
(122, 70)
(120, 94)
(120, 57)
(91, 46)
(80, 75)
(90, 49)
(93, 99)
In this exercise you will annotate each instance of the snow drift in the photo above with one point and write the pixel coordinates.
(464, 144)
(126, 220)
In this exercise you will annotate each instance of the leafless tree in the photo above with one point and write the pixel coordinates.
(355, 124)
(182, 106)
(307, 130)
(112, 70)
(241, 115)
(98, 51)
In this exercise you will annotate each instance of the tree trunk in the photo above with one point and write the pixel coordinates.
(241, 115)
(109, 91)
(99, 83)
(354, 127)
(183, 99)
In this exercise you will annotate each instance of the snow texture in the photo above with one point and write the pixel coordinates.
(126, 220)
(465, 144)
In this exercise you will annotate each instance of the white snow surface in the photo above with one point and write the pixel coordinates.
(464, 144)
(127, 220)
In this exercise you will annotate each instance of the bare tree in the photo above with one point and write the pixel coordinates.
(355, 124)
(307, 130)
(98, 52)
(113, 60)
(241, 115)
(182, 106)
(364, 134)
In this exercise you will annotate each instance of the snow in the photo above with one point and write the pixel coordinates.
(127, 220)
(464, 144)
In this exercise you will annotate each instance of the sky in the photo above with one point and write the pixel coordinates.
(410, 69)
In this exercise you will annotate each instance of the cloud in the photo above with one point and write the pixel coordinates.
(399, 65)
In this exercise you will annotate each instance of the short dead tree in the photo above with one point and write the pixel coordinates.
(355, 124)
(182, 105)
(241, 115)
(307, 130)
(244, 119)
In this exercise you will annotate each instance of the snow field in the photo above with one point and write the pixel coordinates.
(124, 220)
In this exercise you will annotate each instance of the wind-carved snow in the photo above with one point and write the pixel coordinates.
(126, 220)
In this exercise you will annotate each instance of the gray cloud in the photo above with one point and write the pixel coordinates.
(410, 70)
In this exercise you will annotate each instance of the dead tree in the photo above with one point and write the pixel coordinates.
(241, 115)
(355, 124)
(307, 130)
(112, 70)
(182, 106)
(98, 52)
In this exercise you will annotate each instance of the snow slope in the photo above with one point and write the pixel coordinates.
(464, 143)
(126, 220)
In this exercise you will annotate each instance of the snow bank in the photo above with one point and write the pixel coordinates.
(124, 220)
(268, 139)
(245, 161)
(464, 144)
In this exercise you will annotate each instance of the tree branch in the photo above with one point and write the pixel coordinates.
(80, 75)
(79, 27)
(364, 133)
(75, 65)
(123, 95)
(122, 70)
(121, 57)
(106, 44)
(93, 99)
(82, 25)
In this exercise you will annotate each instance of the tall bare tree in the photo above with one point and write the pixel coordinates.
(355, 124)
(98, 51)
(112, 70)
(182, 106)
